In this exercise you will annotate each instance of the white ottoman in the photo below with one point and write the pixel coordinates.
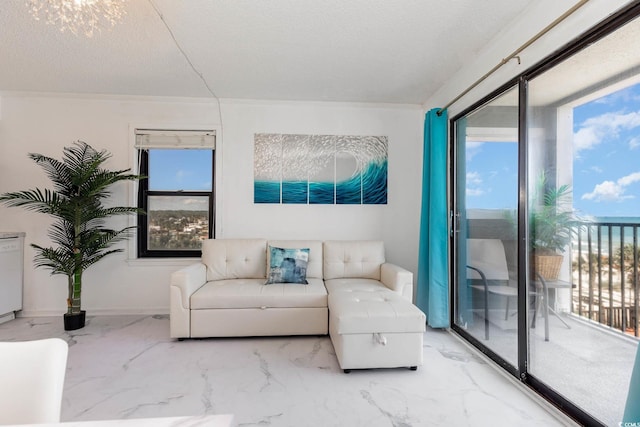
(375, 330)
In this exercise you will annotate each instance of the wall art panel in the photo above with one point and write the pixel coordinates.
(320, 169)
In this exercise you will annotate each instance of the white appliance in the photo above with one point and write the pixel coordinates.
(11, 274)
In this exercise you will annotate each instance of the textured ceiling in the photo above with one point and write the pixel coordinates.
(391, 51)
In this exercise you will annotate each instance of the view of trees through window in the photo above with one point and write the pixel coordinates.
(177, 229)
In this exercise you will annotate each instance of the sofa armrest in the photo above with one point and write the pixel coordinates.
(184, 283)
(397, 279)
(188, 280)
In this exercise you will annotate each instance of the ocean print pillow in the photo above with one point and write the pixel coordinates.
(288, 265)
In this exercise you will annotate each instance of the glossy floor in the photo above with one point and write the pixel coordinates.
(127, 367)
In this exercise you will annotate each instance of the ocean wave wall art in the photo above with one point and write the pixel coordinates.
(320, 169)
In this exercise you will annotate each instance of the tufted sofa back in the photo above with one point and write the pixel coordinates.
(235, 258)
(353, 259)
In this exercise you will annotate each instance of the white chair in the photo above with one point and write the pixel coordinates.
(487, 263)
(32, 375)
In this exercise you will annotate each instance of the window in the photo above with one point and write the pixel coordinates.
(178, 194)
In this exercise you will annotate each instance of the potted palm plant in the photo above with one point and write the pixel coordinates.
(552, 224)
(79, 232)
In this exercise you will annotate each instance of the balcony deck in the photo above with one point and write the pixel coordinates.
(588, 363)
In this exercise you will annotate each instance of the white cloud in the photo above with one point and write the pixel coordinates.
(629, 179)
(182, 174)
(474, 178)
(609, 191)
(472, 148)
(474, 181)
(471, 192)
(595, 130)
(634, 143)
(615, 120)
(201, 204)
(471, 145)
(626, 95)
(591, 170)
(585, 139)
(159, 203)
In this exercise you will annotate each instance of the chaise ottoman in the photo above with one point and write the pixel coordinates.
(375, 329)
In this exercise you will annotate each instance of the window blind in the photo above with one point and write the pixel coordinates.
(182, 139)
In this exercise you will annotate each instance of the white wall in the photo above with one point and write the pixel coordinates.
(396, 222)
(121, 284)
(531, 21)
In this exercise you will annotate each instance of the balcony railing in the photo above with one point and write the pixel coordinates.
(606, 271)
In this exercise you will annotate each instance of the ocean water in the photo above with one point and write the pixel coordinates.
(621, 228)
(369, 187)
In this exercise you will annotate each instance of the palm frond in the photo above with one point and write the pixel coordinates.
(117, 210)
(552, 221)
(46, 201)
(57, 171)
(62, 234)
(57, 260)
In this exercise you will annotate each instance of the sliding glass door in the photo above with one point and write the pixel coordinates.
(487, 201)
(583, 149)
(546, 223)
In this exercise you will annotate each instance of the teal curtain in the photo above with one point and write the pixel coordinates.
(433, 279)
(632, 410)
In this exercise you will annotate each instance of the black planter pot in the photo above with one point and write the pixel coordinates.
(74, 321)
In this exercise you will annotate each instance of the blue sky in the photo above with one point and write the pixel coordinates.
(173, 170)
(492, 175)
(186, 170)
(606, 146)
(606, 161)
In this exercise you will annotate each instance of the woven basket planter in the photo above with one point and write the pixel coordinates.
(548, 266)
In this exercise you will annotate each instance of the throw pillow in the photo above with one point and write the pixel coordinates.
(288, 265)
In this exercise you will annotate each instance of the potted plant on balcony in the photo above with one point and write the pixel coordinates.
(79, 232)
(552, 224)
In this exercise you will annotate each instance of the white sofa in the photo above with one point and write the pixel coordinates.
(225, 295)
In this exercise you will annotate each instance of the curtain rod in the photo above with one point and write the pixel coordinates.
(515, 53)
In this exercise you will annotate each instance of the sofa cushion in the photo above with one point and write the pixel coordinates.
(355, 285)
(287, 265)
(235, 258)
(314, 265)
(348, 259)
(374, 312)
(253, 293)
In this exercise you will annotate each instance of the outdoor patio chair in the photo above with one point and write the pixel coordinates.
(487, 263)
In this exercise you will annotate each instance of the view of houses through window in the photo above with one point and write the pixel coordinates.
(174, 225)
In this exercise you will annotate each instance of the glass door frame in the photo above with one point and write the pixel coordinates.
(455, 228)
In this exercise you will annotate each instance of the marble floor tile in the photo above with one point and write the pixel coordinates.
(123, 367)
